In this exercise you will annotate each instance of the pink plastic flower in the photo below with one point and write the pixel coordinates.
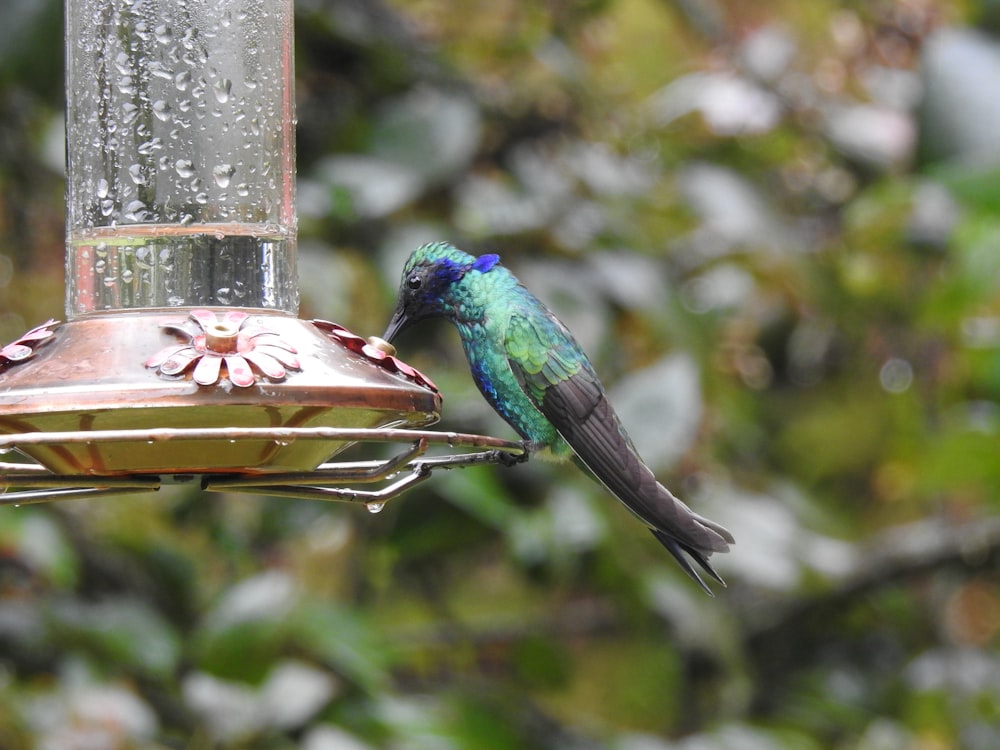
(225, 339)
(381, 357)
(24, 347)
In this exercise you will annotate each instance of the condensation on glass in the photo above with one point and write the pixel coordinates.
(180, 155)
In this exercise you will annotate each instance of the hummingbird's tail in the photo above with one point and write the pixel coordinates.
(578, 407)
(673, 523)
(677, 549)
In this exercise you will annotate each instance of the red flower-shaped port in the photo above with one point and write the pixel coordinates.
(231, 339)
(381, 354)
(24, 347)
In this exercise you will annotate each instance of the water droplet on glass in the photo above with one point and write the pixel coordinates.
(129, 110)
(121, 63)
(136, 211)
(157, 69)
(242, 190)
(184, 167)
(164, 34)
(224, 295)
(135, 172)
(102, 188)
(107, 206)
(148, 147)
(201, 198)
(191, 59)
(162, 110)
(127, 276)
(183, 80)
(374, 507)
(223, 173)
(222, 89)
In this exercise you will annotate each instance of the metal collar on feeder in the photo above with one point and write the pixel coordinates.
(181, 289)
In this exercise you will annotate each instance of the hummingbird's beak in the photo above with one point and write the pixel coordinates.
(399, 322)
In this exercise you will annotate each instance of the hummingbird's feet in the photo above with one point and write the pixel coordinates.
(512, 459)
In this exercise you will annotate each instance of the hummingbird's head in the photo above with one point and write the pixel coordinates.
(431, 286)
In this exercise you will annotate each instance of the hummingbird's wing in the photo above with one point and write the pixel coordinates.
(559, 380)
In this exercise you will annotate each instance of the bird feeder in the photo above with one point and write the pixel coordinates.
(182, 356)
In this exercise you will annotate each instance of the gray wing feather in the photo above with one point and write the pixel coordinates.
(579, 409)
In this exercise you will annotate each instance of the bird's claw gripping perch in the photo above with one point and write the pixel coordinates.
(507, 459)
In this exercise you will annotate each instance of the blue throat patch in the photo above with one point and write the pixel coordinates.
(485, 262)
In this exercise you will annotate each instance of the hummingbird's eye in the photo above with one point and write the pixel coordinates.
(414, 282)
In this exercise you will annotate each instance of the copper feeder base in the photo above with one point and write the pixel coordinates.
(92, 377)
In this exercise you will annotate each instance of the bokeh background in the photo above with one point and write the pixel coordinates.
(776, 228)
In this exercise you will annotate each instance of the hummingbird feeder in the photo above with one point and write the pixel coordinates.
(182, 357)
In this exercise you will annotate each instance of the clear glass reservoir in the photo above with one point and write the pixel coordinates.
(180, 155)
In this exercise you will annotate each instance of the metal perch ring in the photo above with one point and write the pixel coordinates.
(398, 473)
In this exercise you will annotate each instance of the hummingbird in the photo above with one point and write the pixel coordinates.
(532, 371)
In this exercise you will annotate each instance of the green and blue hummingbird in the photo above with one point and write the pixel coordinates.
(536, 376)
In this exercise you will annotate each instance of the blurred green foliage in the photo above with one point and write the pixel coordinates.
(774, 226)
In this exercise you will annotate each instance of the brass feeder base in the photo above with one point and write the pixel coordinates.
(93, 376)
